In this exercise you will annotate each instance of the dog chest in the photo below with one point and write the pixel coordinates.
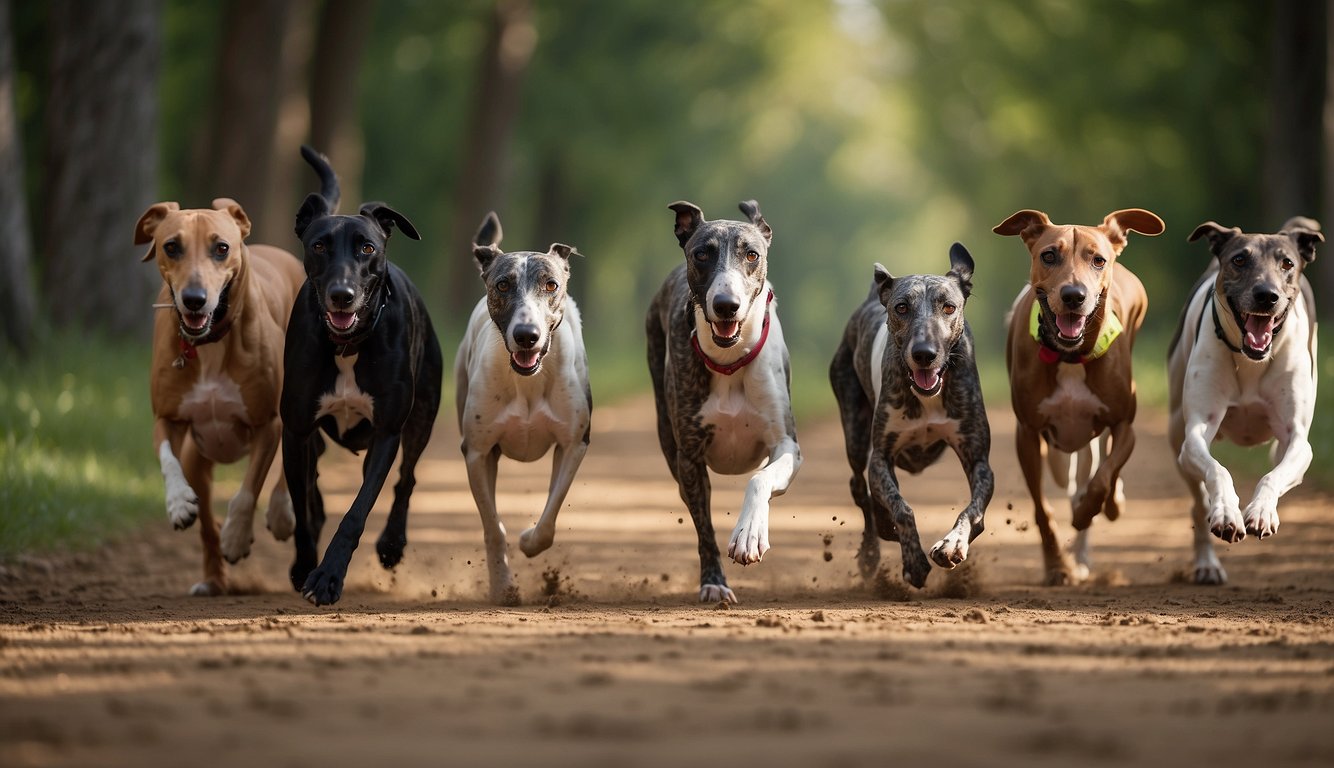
(932, 426)
(739, 427)
(1072, 413)
(346, 403)
(218, 420)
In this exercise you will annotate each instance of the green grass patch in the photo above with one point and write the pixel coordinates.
(76, 461)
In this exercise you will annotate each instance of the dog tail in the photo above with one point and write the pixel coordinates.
(328, 179)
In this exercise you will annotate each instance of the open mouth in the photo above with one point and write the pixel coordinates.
(1258, 334)
(195, 324)
(525, 362)
(341, 322)
(725, 332)
(927, 381)
(1070, 326)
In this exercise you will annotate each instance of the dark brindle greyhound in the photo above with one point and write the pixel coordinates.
(905, 378)
(721, 381)
(364, 367)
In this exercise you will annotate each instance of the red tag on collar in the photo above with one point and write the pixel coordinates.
(731, 368)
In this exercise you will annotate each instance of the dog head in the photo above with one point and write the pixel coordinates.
(726, 265)
(199, 253)
(345, 259)
(525, 294)
(926, 318)
(1071, 265)
(1259, 275)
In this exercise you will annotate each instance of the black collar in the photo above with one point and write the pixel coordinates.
(1218, 331)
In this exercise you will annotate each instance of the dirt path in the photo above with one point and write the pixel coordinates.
(104, 661)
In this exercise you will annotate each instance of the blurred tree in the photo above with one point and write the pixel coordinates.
(335, 90)
(18, 307)
(100, 161)
(1295, 94)
(274, 225)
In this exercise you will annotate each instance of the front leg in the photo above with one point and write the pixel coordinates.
(324, 586)
(564, 465)
(238, 529)
(1056, 564)
(750, 537)
(182, 501)
(693, 482)
(1261, 515)
(1104, 481)
(1222, 506)
(953, 548)
(299, 464)
(482, 468)
(885, 491)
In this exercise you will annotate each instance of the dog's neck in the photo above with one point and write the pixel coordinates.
(754, 332)
(1102, 328)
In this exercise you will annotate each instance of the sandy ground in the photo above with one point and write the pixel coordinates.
(105, 661)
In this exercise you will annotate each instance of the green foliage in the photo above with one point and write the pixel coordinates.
(76, 461)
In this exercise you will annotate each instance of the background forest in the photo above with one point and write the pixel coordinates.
(868, 131)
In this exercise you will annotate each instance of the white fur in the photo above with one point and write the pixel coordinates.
(346, 403)
(182, 502)
(217, 415)
(280, 519)
(237, 529)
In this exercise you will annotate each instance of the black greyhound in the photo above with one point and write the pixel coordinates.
(363, 365)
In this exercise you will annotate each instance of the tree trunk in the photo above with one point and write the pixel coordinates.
(238, 162)
(18, 307)
(1324, 266)
(335, 92)
(1296, 93)
(101, 162)
(273, 225)
(511, 38)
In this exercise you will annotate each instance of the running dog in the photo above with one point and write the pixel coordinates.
(721, 380)
(521, 386)
(1243, 368)
(217, 370)
(364, 368)
(1071, 332)
(905, 377)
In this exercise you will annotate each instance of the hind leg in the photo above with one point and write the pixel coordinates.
(394, 539)
(199, 473)
(855, 413)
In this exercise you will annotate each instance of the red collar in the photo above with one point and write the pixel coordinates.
(188, 348)
(731, 368)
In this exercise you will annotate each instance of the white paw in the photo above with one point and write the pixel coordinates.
(1225, 522)
(280, 519)
(237, 528)
(182, 504)
(206, 589)
(716, 593)
(1261, 518)
(750, 539)
(1208, 570)
(951, 550)
(533, 543)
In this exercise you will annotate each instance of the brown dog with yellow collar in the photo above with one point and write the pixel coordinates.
(1071, 333)
(217, 370)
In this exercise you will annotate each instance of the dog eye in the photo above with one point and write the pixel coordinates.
(949, 309)
(503, 286)
(1239, 260)
(172, 249)
(901, 308)
(752, 257)
(1049, 257)
(1099, 262)
(551, 286)
(367, 249)
(1287, 264)
(220, 251)
(317, 247)
(701, 255)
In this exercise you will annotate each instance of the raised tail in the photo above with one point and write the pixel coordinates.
(328, 179)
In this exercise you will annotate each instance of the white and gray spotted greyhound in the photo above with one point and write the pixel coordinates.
(721, 381)
(905, 377)
(522, 386)
(1243, 368)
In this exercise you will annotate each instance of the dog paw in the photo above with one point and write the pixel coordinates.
(182, 505)
(532, 543)
(390, 548)
(208, 588)
(1261, 520)
(1062, 573)
(716, 593)
(951, 550)
(300, 571)
(280, 520)
(323, 587)
(915, 567)
(750, 538)
(1210, 574)
(506, 595)
(1227, 525)
(1087, 505)
(237, 535)
(1116, 501)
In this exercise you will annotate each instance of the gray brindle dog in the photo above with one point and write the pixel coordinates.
(906, 381)
(521, 387)
(721, 381)
(1243, 368)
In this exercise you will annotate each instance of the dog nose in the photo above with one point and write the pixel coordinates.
(1073, 295)
(923, 354)
(342, 296)
(1265, 297)
(194, 298)
(526, 335)
(725, 306)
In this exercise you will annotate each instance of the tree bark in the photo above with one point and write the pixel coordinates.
(335, 91)
(273, 225)
(1292, 173)
(511, 38)
(18, 305)
(101, 161)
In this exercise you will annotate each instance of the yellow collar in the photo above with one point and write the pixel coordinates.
(1111, 328)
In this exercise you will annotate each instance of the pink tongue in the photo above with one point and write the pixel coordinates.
(725, 329)
(525, 359)
(1071, 325)
(342, 320)
(1259, 331)
(925, 378)
(195, 320)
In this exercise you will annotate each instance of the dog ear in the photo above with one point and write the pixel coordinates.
(1305, 233)
(563, 251)
(148, 223)
(388, 218)
(883, 281)
(1028, 224)
(752, 211)
(485, 254)
(1118, 224)
(312, 208)
(1219, 236)
(961, 267)
(489, 233)
(233, 209)
(688, 219)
